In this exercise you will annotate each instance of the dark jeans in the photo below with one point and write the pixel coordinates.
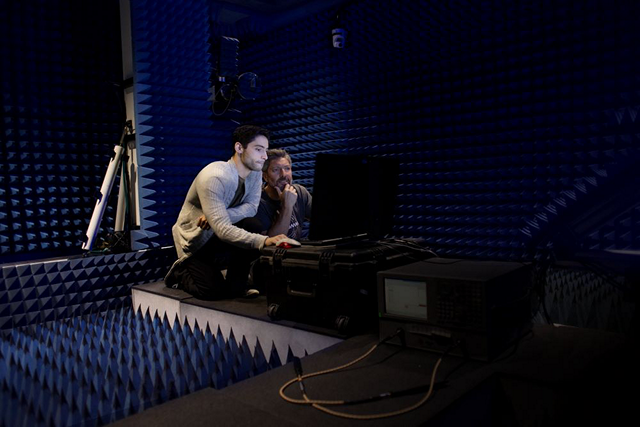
(201, 275)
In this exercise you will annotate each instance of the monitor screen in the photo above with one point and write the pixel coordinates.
(352, 195)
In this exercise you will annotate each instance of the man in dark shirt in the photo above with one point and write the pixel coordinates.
(283, 206)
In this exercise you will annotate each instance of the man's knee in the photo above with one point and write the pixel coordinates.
(201, 279)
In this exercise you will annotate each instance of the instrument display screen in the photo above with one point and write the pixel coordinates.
(407, 298)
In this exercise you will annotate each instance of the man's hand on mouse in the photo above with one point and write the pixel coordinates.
(271, 241)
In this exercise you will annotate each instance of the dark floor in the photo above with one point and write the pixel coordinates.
(554, 376)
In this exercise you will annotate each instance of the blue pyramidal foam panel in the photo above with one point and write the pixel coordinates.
(43, 291)
(175, 132)
(61, 118)
(98, 368)
(496, 112)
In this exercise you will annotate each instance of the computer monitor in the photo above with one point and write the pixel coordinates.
(353, 195)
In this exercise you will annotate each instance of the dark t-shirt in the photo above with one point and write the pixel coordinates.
(237, 198)
(268, 211)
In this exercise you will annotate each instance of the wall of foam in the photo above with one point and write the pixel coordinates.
(175, 132)
(501, 114)
(61, 117)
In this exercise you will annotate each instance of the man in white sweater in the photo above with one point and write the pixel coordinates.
(207, 235)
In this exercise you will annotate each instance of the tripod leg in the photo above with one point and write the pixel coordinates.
(122, 213)
(103, 197)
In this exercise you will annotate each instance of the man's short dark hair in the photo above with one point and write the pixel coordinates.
(247, 133)
(274, 154)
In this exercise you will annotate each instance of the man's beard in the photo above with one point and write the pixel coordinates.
(282, 183)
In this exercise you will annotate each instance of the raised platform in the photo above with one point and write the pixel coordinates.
(244, 318)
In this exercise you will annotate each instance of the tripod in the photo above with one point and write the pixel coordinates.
(119, 159)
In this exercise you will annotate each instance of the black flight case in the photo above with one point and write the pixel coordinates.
(332, 286)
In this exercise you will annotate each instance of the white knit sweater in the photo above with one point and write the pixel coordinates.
(210, 194)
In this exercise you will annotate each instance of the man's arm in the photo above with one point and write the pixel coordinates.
(237, 213)
(240, 212)
(288, 199)
(211, 195)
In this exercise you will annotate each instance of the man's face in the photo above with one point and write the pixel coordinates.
(255, 154)
(279, 173)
